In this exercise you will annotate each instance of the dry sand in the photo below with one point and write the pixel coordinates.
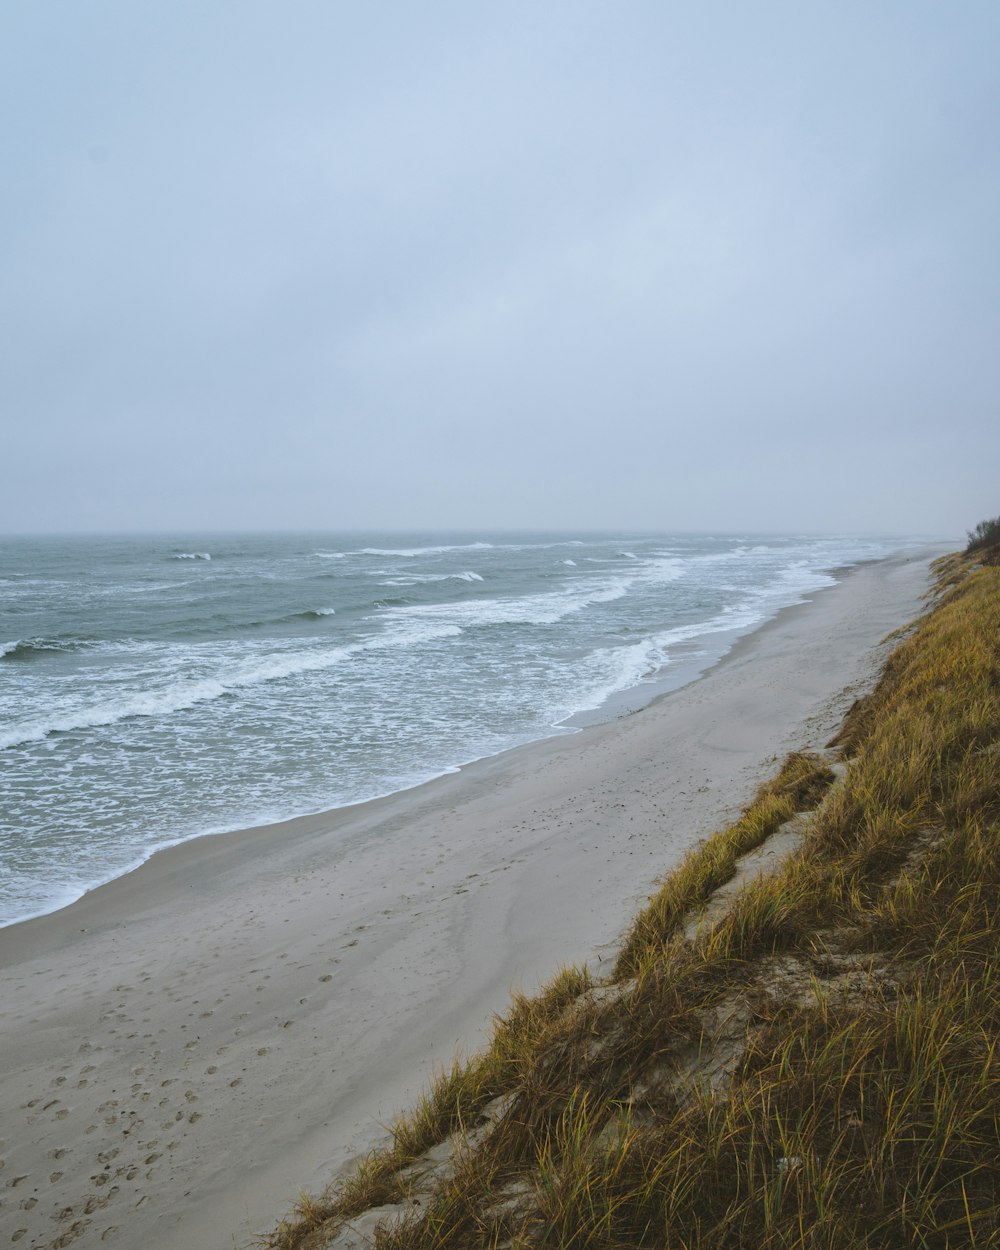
(186, 1048)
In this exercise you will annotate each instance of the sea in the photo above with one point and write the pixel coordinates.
(159, 688)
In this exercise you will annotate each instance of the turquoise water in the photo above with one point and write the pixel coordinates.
(154, 688)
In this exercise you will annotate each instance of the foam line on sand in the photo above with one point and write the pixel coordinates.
(187, 1047)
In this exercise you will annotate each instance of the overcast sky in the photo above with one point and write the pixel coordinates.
(313, 264)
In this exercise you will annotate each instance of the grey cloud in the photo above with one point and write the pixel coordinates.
(478, 266)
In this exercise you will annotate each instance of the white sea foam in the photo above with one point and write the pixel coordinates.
(192, 555)
(620, 668)
(543, 609)
(477, 546)
(176, 696)
(547, 607)
(570, 562)
(409, 552)
(419, 579)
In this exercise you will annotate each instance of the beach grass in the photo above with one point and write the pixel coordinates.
(815, 1064)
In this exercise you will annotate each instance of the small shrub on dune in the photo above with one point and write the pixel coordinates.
(986, 534)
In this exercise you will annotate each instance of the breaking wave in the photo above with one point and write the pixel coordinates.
(420, 551)
(30, 648)
(188, 692)
(418, 579)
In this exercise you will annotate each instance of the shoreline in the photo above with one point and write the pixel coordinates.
(626, 702)
(169, 1031)
(696, 658)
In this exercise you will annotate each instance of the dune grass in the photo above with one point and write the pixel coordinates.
(817, 1068)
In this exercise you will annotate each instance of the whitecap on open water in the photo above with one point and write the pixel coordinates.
(155, 689)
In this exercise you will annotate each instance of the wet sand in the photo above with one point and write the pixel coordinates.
(186, 1048)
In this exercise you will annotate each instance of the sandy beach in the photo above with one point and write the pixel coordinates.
(186, 1048)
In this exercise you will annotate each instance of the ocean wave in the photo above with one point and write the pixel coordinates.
(409, 552)
(308, 614)
(191, 555)
(29, 648)
(571, 562)
(444, 548)
(419, 579)
(543, 609)
(549, 607)
(186, 693)
(622, 667)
